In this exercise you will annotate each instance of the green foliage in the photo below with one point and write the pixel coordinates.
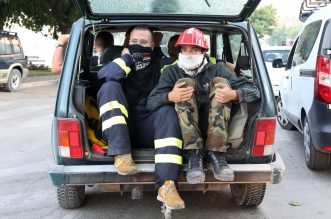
(282, 34)
(41, 67)
(264, 20)
(58, 15)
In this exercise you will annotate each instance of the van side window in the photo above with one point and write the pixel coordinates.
(219, 47)
(290, 57)
(306, 43)
(326, 43)
(235, 40)
(5, 46)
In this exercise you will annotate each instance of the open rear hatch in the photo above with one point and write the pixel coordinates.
(212, 10)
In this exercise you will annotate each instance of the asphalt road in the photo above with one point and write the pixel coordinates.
(26, 190)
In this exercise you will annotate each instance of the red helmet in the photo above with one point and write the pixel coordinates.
(193, 37)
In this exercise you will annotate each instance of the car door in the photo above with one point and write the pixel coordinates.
(301, 85)
(285, 84)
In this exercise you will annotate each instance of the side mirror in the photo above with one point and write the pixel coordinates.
(277, 63)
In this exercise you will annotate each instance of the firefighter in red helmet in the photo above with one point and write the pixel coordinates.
(203, 94)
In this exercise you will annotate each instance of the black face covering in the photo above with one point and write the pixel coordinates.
(141, 56)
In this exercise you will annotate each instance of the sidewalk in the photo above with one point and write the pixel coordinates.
(40, 81)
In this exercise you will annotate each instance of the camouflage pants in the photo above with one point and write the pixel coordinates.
(218, 119)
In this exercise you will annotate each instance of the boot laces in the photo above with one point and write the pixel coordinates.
(171, 190)
(126, 160)
(196, 159)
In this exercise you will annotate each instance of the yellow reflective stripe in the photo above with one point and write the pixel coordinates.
(113, 105)
(120, 62)
(212, 60)
(159, 143)
(174, 63)
(168, 158)
(113, 121)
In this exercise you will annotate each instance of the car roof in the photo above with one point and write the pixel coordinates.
(267, 48)
(323, 13)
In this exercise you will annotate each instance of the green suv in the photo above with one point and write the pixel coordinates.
(79, 162)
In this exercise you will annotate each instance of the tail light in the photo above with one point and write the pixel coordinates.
(326, 148)
(264, 137)
(70, 143)
(323, 80)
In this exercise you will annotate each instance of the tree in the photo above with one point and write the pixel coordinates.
(283, 34)
(58, 15)
(264, 20)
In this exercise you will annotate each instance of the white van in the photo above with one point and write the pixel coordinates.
(305, 88)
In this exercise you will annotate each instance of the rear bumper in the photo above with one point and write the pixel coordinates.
(319, 118)
(107, 174)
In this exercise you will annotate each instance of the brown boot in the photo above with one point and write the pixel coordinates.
(169, 196)
(125, 165)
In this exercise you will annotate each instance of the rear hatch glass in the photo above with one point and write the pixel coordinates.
(228, 10)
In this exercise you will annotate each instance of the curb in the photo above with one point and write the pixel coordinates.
(39, 83)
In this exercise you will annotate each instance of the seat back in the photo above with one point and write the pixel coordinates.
(110, 53)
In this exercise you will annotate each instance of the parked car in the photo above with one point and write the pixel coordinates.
(13, 63)
(271, 53)
(251, 154)
(305, 101)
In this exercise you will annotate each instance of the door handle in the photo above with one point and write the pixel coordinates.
(287, 77)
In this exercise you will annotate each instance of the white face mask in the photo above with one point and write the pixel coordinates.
(190, 62)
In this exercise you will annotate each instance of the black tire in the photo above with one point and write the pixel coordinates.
(14, 81)
(70, 196)
(281, 117)
(315, 160)
(248, 195)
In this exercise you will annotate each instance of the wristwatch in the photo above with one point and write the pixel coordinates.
(59, 45)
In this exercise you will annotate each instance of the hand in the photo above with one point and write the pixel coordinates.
(125, 51)
(224, 94)
(63, 39)
(157, 37)
(180, 93)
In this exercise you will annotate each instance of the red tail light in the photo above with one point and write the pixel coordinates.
(70, 143)
(323, 80)
(264, 137)
(326, 148)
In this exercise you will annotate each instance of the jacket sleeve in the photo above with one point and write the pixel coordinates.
(117, 69)
(246, 90)
(159, 95)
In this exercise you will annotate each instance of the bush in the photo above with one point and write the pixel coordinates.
(38, 67)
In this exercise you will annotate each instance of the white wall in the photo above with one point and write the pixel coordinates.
(35, 44)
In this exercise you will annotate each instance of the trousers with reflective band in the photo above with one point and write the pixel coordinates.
(218, 119)
(123, 128)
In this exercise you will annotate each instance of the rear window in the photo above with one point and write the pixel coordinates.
(270, 55)
(16, 46)
(176, 7)
(326, 43)
(306, 43)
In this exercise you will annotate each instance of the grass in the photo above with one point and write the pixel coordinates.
(34, 73)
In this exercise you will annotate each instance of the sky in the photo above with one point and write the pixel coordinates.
(287, 10)
(35, 44)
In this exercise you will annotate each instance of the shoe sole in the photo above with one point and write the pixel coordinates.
(227, 175)
(127, 174)
(195, 177)
(159, 198)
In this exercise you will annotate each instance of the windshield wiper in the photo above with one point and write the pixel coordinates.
(207, 3)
